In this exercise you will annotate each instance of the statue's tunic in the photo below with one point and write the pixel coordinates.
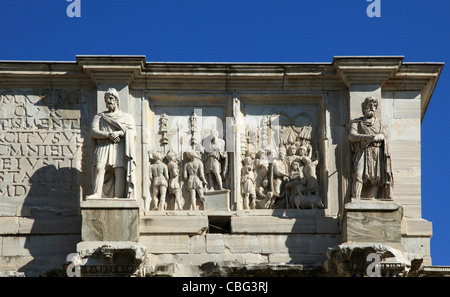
(214, 157)
(116, 155)
(278, 172)
(371, 160)
(248, 180)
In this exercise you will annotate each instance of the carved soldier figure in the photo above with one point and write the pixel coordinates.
(248, 184)
(280, 173)
(309, 170)
(194, 174)
(302, 151)
(263, 191)
(216, 155)
(296, 184)
(174, 182)
(159, 176)
(113, 136)
(291, 155)
(371, 160)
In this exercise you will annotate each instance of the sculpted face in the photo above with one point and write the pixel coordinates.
(111, 102)
(292, 150)
(157, 156)
(370, 108)
(302, 150)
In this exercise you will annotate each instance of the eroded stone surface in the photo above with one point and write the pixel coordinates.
(286, 162)
(353, 259)
(372, 221)
(110, 220)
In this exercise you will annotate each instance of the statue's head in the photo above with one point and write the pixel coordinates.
(306, 159)
(157, 156)
(191, 155)
(302, 150)
(292, 149)
(214, 133)
(112, 99)
(265, 183)
(261, 154)
(172, 156)
(262, 161)
(369, 107)
(247, 160)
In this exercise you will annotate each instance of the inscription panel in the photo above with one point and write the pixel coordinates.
(41, 145)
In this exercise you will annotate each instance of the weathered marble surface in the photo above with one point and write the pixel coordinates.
(46, 151)
(263, 239)
(217, 200)
(350, 259)
(365, 221)
(111, 258)
(110, 220)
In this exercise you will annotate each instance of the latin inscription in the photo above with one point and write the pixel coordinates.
(40, 143)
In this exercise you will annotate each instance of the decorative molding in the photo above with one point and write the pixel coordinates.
(88, 71)
(366, 70)
(112, 69)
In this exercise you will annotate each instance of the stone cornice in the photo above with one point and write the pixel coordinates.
(417, 76)
(370, 70)
(112, 69)
(390, 72)
(234, 76)
(27, 74)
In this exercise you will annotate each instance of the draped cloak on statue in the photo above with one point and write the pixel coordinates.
(371, 160)
(112, 154)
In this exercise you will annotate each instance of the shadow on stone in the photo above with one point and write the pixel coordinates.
(49, 222)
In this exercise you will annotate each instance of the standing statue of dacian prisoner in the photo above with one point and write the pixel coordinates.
(372, 169)
(113, 136)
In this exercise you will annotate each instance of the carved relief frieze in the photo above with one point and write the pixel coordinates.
(267, 158)
(196, 159)
(283, 173)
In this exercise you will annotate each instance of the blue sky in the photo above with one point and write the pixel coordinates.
(255, 31)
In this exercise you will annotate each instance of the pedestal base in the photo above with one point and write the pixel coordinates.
(217, 200)
(111, 258)
(372, 221)
(371, 259)
(110, 220)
